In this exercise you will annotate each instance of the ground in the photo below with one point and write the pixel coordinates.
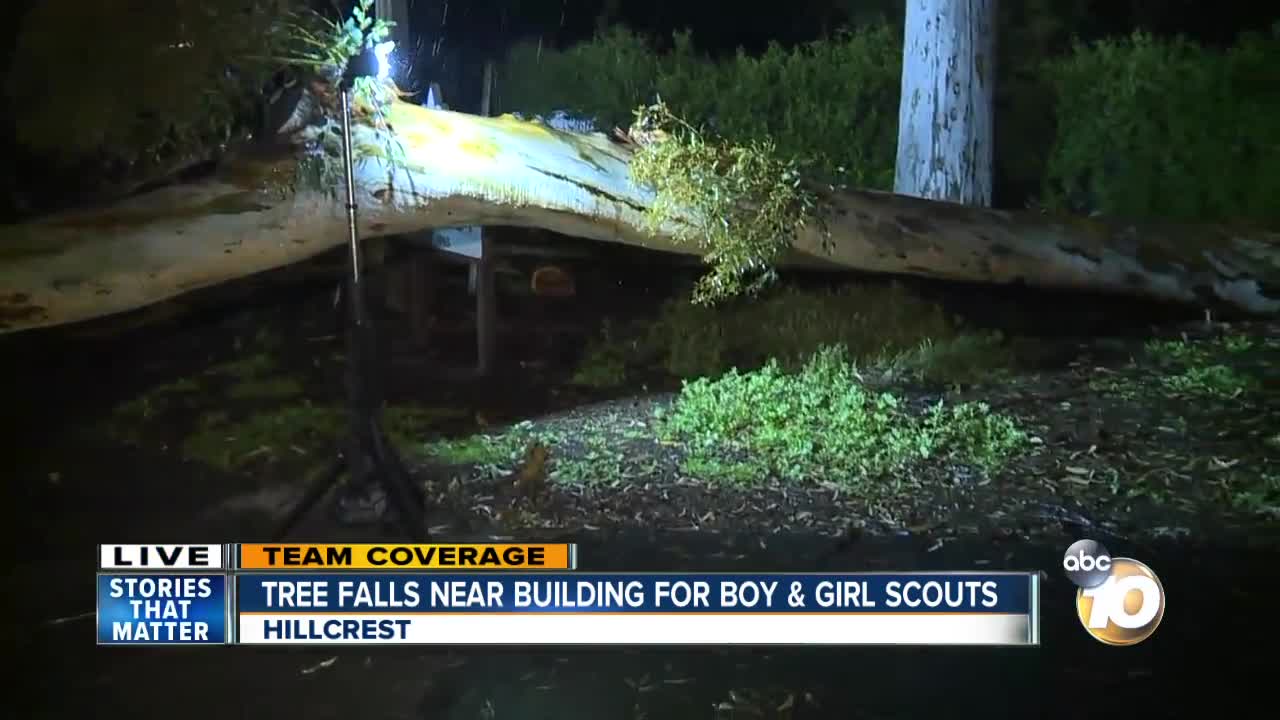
(1078, 418)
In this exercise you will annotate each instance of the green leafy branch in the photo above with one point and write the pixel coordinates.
(326, 46)
(742, 204)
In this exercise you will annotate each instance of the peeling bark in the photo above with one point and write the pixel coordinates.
(255, 215)
(945, 131)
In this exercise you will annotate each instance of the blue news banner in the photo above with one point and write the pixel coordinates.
(633, 608)
(568, 609)
(163, 609)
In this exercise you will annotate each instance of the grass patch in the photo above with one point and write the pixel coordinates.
(152, 403)
(1223, 368)
(1218, 381)
(1197, 352)
(270, 388)
(407, 425)
(790, 325)
(248, 411)
(128, 417)
(886, 325)
(471, 450)
(294, 430)
(256, 365)
(1205, 368)
(822, 422)
(958, 359)
(819, 422)
(598, 451)
(1213, 394)
(604, 365)
(1258, 498)
(298, 430)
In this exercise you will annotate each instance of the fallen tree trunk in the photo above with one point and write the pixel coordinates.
(257, 213)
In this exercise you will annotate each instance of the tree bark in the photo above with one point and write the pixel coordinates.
(255, 215)
(945, 131)
(397, 13)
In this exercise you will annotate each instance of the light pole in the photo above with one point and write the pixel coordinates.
(368, 456)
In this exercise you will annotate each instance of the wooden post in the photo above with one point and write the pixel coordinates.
(486, 292)
(419, 270)
(486, 92)
(421, 294)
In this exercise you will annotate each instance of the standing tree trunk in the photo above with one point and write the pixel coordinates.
(397, 12)
(944, 121)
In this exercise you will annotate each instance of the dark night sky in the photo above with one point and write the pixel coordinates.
(727, 24)
(476, 29)
(480, 28)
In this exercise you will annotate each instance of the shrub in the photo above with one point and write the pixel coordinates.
(789, 325)
(888, 328)
(1168, 129)
(831, 102)
(823, 423)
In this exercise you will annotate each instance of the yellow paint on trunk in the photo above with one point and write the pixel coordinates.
(511, 123)
(484, 149)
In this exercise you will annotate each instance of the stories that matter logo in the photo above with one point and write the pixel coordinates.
(1120, 601)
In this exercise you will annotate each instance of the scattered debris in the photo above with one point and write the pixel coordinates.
(319, 666)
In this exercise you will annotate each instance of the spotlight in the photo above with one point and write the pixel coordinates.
(382, 51)
(374, 62)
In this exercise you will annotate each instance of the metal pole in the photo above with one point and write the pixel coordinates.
(369, 455)
(482, 271)
(357, 294)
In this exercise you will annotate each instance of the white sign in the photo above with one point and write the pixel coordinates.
(588, 628)
(160, 557)
(464, 241)
(434, 99)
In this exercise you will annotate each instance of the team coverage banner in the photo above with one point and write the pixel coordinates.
(527, 594)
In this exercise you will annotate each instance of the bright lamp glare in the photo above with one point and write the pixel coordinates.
(383, 52)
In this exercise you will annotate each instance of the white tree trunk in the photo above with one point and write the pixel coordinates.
(945, 131)
(396, 11)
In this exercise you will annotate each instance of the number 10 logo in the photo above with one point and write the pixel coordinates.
(1120, 601)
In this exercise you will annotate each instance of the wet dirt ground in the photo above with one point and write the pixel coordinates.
(69, 489)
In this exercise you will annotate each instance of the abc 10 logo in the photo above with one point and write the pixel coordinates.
(1120, 601)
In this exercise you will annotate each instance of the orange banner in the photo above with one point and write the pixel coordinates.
(435, 556)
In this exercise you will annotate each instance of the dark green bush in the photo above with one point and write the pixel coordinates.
(1137, 127)
(833, 101)
(606, 78)
(1168, 129)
